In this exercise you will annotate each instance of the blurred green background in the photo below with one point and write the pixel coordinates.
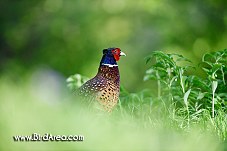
(67, 36)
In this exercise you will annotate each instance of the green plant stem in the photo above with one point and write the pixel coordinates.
(181, 80)
(159, 84)
(213, 105)
(223, 76)
(214, 87)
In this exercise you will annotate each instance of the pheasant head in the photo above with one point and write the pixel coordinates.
(111, 56)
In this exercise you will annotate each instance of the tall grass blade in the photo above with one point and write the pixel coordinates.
(214, 87)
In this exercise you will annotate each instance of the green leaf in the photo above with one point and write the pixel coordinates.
(75, 81)
(186, 95)
(200, 96)
(214, 86)
(149, 77)
(148, 59)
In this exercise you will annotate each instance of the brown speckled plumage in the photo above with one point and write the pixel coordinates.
(105, 86)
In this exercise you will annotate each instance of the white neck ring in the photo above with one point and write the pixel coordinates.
(110, 65)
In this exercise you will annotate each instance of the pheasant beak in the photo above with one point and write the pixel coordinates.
(122, 54)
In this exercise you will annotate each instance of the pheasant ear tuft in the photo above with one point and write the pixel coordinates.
(105, 51)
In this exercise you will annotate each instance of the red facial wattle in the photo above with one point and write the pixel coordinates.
(116, 53)
(117, 57)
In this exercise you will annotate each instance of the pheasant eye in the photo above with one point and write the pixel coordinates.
(114, 51)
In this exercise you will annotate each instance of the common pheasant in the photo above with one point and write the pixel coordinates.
(105, 86)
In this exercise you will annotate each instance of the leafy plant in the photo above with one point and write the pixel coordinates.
(170, 77)
(191, 94)
(215, 66)
(75, 81)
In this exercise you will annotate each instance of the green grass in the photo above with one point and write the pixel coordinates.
(186, 112)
